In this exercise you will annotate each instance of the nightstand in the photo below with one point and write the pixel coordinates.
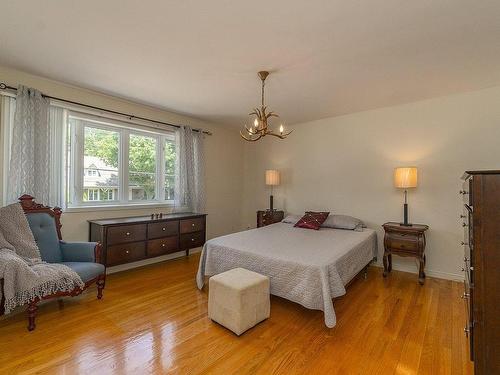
(267, 217)
(405, 241)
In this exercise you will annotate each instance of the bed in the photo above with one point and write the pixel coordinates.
(309, 267)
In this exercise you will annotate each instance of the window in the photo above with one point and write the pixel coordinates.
(110, 162)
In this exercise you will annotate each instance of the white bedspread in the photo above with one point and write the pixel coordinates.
(305, 266)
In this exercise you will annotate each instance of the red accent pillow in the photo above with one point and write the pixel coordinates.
(312, 220)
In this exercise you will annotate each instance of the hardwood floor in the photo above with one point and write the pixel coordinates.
(154, 320)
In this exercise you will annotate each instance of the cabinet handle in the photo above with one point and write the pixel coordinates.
(466, 259)
(463, 243)
(464, 192)
(163, 229)
(463, 216)
(466, 331)
(127, 252)
(463, 269)
(465, 295)
(464, 224)
(127, 234)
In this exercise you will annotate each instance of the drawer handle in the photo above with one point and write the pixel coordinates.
(471, 268)
(466, 331)
(192, 239)
(463, 269)
(466, 259)
(463, 216)
(162, 245)
(163, 229)
(463, 243)
(465, 295)
(192, 225)
(464, 224)
(464, 192)
(127, 252)
(127, 234)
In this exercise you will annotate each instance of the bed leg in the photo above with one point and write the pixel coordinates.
(365, 272)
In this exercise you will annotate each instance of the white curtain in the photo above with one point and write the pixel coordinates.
(30, 159)
(189, 177)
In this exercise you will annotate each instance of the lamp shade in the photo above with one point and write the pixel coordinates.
(405, 177)
(272, 177)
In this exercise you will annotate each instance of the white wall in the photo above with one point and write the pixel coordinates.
(345, 165)
(223, 152)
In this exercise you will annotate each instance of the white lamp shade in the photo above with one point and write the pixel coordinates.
(272, 177)
(405, 177)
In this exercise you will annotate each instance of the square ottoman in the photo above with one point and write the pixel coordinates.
(238, 299)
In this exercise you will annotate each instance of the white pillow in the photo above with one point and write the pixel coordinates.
(291, 219)
(343, 222)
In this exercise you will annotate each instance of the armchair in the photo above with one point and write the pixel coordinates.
(83, 257)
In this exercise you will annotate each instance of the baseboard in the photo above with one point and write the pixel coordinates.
(431, 273)
(145, 262)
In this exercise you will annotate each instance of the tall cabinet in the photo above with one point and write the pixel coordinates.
(481, 223)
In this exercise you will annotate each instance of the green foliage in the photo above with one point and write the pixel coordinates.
(104, 144)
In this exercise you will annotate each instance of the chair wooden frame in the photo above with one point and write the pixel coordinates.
(30, 206)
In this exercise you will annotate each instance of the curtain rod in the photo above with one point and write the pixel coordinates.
(4, 86)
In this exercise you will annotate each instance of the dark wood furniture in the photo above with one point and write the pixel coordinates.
(130, 239)
(481, 224)
(405, 241)
(269, 217)
(31, 207)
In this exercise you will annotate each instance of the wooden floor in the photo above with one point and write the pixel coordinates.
(154, 320)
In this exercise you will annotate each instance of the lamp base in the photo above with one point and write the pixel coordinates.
(405, 223)
(271, 208)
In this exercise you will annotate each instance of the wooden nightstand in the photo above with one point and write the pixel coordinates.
(267, 217)
(405, 241)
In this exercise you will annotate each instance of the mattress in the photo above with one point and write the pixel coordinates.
(305, 266)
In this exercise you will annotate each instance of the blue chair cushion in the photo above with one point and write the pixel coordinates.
(43, 226)
(86, 270)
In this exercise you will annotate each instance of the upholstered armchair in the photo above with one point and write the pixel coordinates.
(83, 257)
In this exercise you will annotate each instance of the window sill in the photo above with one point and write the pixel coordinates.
(118, 207)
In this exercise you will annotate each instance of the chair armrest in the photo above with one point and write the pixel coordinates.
(80, 251)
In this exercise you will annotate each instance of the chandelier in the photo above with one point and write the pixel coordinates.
(260, 126)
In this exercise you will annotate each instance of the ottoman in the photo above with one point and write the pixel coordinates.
(238, 299)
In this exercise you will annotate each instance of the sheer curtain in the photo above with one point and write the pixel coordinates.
(30, 166)
(189, 177)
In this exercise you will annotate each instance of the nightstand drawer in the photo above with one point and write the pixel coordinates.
(409, 245)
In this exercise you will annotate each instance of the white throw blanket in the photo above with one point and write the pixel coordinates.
(25, 276)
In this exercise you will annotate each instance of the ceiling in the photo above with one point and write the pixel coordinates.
(200, 58)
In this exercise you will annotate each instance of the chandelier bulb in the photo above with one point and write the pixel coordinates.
(281, 129)
(256, 123)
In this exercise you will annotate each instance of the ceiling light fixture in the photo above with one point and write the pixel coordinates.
(260, 126)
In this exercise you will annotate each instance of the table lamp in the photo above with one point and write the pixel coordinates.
(405, 178)
(272, 179)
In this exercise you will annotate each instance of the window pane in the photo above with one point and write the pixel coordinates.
(142, 168)
(169, 169)
(100, 163)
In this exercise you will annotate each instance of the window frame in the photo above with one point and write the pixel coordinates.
(75, 185)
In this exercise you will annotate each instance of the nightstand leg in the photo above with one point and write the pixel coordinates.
(421, 273)
(385, 264)
(389, 257)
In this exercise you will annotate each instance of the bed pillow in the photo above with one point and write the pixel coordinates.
(312, 220)
(343, 222)
(291, 219)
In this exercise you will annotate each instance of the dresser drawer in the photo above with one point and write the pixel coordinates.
(126, 233)
(162, 246)
(190, 240)
(163, 229)
(192, 225)
(125, 253)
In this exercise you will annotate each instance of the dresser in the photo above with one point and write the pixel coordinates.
(130, 239)
(269, 217)
(481, 224)
(405, 241)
